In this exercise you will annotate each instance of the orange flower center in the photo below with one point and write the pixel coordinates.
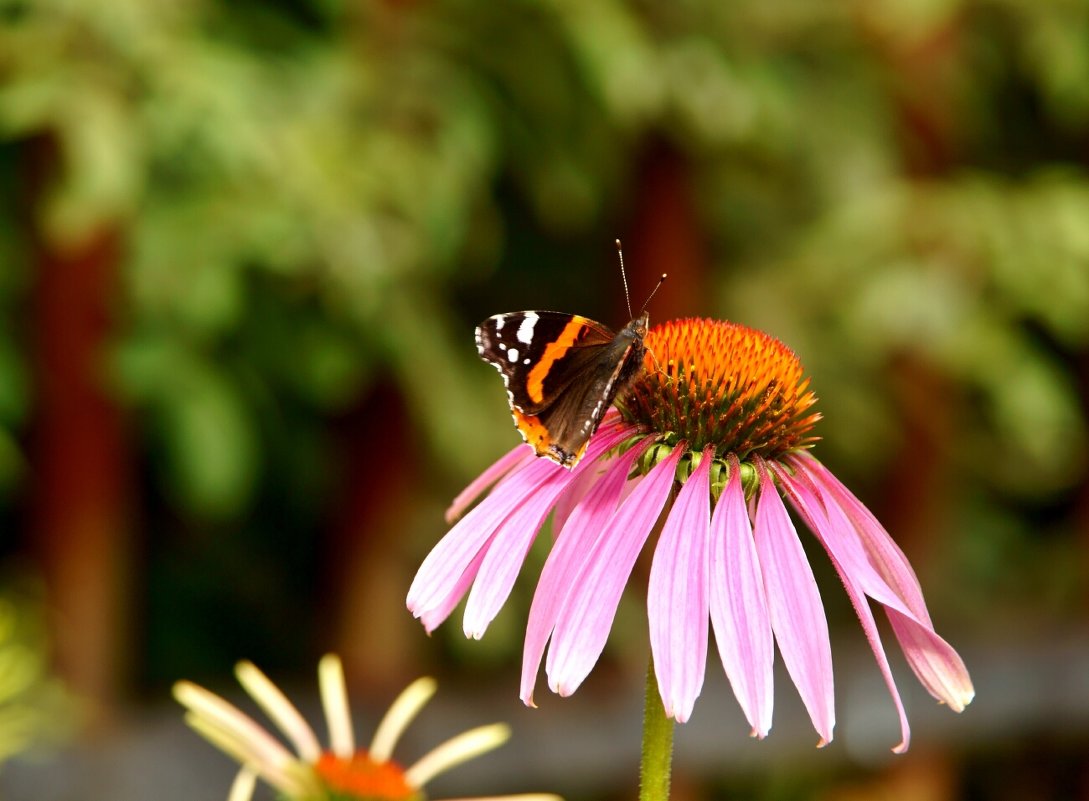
(710, 382)
(360, 778)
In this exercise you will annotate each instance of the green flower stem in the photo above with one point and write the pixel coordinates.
(657, 757)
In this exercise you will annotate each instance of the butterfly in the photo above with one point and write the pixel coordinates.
(562, 372)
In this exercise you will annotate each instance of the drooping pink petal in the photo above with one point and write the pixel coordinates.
(583, 624)
(442, 574)
(677, 595)
(572, 496)
(884, 574)
(575, 491)
(794, 604)
(516, 534)
(938, 667)
(574, 542)
(869, 628)
(813, 512)
(865, 544)
(503, 465)
(505, 555)
(434, 615)
(739, 608)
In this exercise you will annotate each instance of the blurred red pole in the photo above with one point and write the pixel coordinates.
(371, 629)
(920, 70)
(79, 458)
(665, 237)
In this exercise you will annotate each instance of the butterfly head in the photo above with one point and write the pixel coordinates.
(639, 326)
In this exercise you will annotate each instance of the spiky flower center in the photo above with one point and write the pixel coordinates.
(361, 778)
(711, 382)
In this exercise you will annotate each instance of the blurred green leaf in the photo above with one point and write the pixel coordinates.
(12, 463)
(35, 709)
(317, 199)
(14, 384)
(211, 447)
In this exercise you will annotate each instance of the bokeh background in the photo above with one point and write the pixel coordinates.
(243, 246)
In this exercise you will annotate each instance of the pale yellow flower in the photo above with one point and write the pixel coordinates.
(309, 772)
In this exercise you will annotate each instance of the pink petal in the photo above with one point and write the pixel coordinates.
(567, 557)
(938, 667)
(677, 595)
(438, 612)
(503, 465)
(739, 607)
(865, 545)
(813, 513)
(506, 553)
(794, 603)
(884, 573)
(571, 497)
(587, 614)
(574, 493)
(516, 534)
(442, 575)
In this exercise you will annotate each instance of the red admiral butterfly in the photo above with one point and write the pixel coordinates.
(562, 372)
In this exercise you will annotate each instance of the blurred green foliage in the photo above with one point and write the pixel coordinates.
(300, 184)
(316, 200)
(309, 194)
(989, 284)
(35, 709)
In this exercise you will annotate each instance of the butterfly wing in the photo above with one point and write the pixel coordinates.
(577, 411)
(562, 372)
(539, 353)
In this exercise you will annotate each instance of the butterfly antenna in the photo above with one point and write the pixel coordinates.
(651, 295)
(623, 275)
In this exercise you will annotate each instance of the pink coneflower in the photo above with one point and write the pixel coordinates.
(341, 772)
(706, 443)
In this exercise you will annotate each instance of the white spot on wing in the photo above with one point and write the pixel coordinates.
(525, 330)
(512, 354)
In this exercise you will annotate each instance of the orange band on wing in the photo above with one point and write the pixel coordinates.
(532, 431)
(552, 353)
